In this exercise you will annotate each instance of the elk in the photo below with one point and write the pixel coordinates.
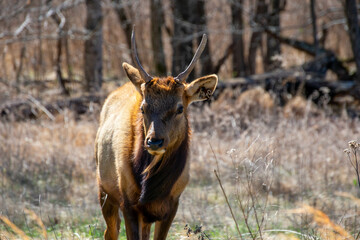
(142, 146)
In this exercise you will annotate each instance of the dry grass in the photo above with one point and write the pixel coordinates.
(48, 167)
(326, 228)
(303, 152)
(271, 165)
(13, 227)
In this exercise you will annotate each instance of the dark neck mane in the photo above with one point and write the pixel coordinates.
(159, 182)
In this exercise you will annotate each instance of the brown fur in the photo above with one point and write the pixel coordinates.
(144, 182)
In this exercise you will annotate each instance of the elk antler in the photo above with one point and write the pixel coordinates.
(183, 76)
(136, 60)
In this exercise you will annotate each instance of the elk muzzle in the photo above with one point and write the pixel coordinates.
(155, 142)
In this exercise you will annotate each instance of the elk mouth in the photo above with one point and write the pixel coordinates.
(156, 152)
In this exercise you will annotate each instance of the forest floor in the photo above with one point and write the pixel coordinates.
(281, 171)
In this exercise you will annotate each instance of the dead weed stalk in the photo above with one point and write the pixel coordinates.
(255, 181)
(352, 153)
(197, 231)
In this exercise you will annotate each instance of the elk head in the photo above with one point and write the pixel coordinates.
(165, 100)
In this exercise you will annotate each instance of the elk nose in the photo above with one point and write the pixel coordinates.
(155, 143)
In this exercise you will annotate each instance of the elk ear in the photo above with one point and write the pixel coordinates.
(202, 88)
(134, 75)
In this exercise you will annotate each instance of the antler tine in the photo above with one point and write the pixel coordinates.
(136, 60)
(183, 76)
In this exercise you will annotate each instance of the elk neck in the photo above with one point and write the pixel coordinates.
(157, 183)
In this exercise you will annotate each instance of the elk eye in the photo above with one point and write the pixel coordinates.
(180, 109)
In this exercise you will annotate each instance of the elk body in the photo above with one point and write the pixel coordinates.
(142, 146)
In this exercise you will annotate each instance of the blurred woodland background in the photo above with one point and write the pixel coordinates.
(287, 104)
(85, 42)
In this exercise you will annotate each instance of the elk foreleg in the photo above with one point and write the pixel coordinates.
(162, 227)
(110, 211)
(144, 229)
(131, 223)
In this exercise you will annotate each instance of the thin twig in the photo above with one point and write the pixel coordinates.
(245, 215)
(216, 160)
(252, 195)
(52, 228)
(305, 236)
(357, 166)
(41, 107)
(266, 199)
(105, 198)
(23, 25)
(357, 236)
(227, 202)
(91, 233)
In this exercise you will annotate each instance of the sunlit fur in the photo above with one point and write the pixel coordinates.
(144, 183)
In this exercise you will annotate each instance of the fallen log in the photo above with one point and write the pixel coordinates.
(31, 108)
(325, 59)
(281, 82)
(293, 81)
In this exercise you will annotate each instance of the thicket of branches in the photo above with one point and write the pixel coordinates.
(85, 41)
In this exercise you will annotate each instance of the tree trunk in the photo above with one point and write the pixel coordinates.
(314, 26)
(181, 40)
(68, 60)
(40, 68)
(331, 62)
(21, 62)
(123, 19)
(58, 65)
(239, 65)
(273, 45)
(62, 40)
(199, 19)
(255, 41)
(354, 32)
(157, 20)
(93, 46)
